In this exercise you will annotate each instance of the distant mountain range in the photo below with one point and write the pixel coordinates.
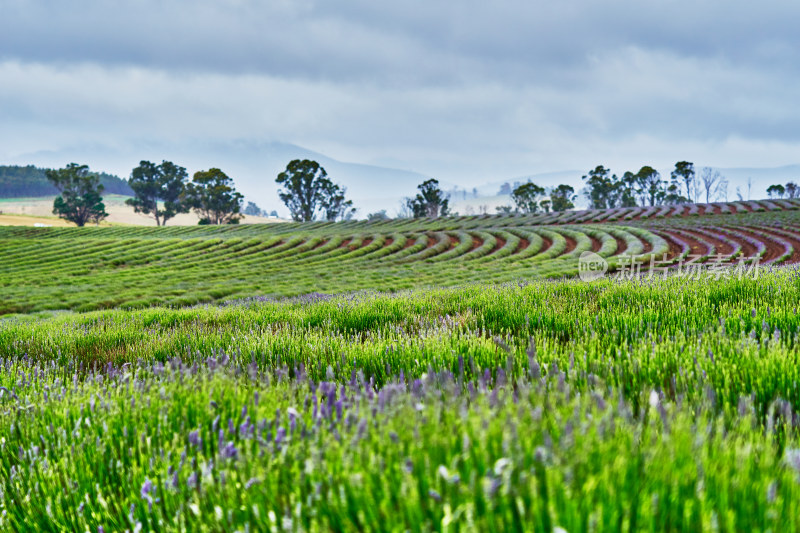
(30, 181)
(255, 165)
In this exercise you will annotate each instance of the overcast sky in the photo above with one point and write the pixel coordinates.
(469, 91)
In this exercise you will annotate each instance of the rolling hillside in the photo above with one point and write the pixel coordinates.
(92, 268)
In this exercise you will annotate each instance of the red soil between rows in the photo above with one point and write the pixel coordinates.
(696, 247)
(720, 245)
(675, 249)
(648, 246)
(748, 250)
(774, 250)
(793, 239)
(571, 244)
(546, 244)
(621, 246)
(499, 243)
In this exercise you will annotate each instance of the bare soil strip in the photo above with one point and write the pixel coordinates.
(571, 244)
(696, 247)
(720, 245)
(774, 249)
(621, 246)
(792, 239)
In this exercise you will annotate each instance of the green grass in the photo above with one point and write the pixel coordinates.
(611, 406)
(457, 383)
(84, 269)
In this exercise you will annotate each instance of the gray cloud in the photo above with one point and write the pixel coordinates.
(411, 41)
(470, 91)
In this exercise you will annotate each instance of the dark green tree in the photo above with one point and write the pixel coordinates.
(308, 192)
(600, 188)
(649, 181)
(562, 198)
(626, 188)
(684, 172)
(527, 197)
(213, 197)
(152, 184)
(776, 191)
(430, 201)
(545, 205)
(80, 200)
(335, 205)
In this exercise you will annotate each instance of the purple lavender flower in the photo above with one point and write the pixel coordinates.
(147, 487)
(280, 435)
(245, 429)
(145, 492)
(230, 451)
(194, 439)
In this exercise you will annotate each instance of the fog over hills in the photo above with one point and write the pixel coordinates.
(254, 166)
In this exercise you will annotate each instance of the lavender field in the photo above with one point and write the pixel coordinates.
(85, 269)
(650, 404)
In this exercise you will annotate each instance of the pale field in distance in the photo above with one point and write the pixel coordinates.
(30, 211)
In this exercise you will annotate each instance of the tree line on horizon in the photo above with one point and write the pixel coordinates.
(161, 191)
(164, 190)
(647, 187)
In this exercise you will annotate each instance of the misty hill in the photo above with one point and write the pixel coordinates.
(738, 179)
(30, 181)
(253, 165)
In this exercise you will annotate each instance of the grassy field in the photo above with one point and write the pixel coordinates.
(83, 269)
(612, 406)
(463, 379)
